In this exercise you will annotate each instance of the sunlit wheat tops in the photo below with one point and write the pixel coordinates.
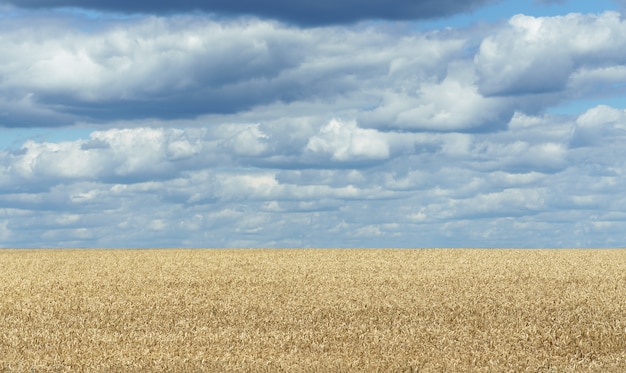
(313, 310)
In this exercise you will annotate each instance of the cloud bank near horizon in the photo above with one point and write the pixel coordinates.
(341, 185)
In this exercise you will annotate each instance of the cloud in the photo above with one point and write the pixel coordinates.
(116, 154)
(200, 67)
(63, 75)
(452, 104)
(258, 71)
(295, 11)
(597, 126)
(362, 187)
(248, 132)
(535, 55)
(346, 142)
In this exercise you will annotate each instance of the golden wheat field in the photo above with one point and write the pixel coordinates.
(313, 310)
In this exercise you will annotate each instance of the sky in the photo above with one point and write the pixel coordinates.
(274, 123)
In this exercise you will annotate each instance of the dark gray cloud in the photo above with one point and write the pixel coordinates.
(302, 12)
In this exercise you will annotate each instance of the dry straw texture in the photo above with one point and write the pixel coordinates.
(313, 310)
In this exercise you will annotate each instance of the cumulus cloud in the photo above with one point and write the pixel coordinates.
(200, 68)
(452, 104)
(249, 132)
(183, 67)
(138, 154)
(192, 67)
(195, 186)
(598, 125)
(296, 11)
(536, 55)
(347, 142)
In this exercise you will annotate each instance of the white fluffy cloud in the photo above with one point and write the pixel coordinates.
(543, 55)
(347, 142)
(192, 66)
(188, 66)
(452, 104)
(193, 187)
(599, 125)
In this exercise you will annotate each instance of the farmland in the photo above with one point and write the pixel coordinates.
(313, 310)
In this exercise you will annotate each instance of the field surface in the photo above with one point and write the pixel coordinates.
(313, 310)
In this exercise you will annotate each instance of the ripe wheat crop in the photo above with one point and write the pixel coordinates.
(313, 310)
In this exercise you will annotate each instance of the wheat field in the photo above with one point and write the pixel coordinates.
(435, 310)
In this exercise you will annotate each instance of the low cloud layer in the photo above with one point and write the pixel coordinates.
(236, 186)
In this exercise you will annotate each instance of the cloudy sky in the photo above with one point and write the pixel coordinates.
(293, 123)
